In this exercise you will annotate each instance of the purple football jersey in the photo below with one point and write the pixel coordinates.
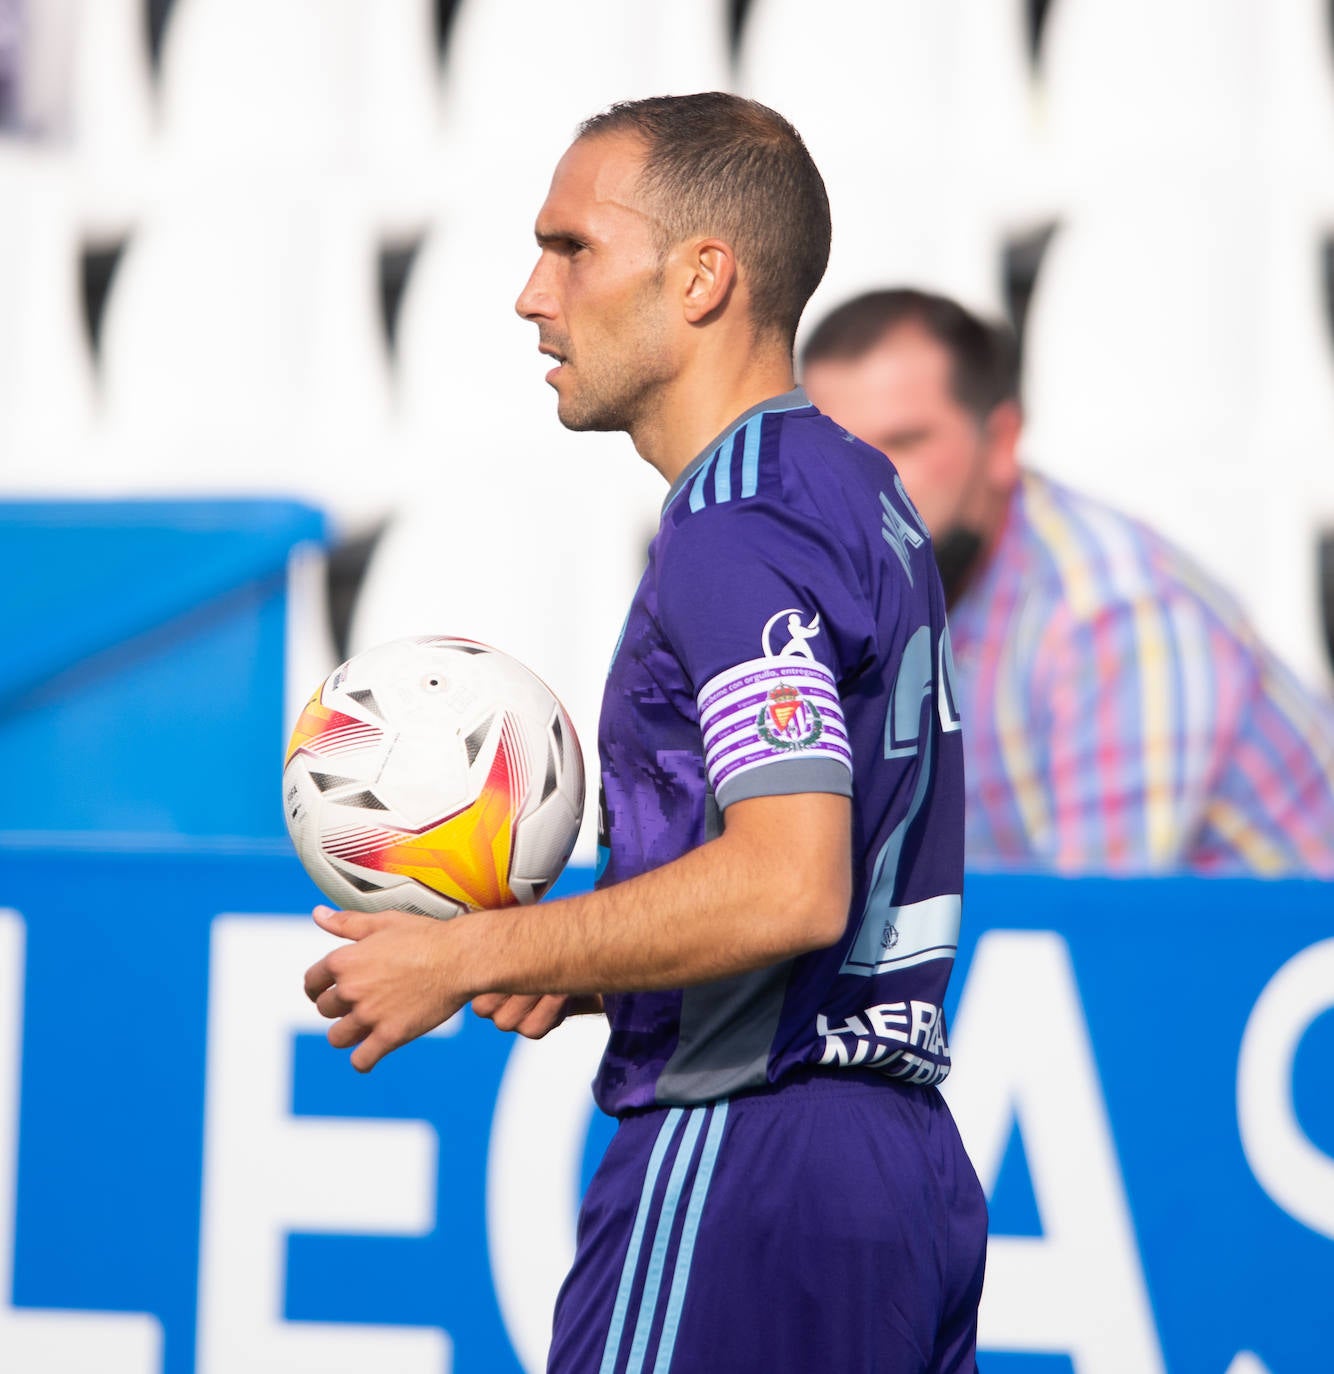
(789, 636)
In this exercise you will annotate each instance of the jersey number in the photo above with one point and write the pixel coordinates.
(903, 716)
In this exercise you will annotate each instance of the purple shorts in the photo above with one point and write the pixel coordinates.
(832, 1223)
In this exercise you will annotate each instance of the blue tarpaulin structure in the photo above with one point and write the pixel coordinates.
(141, 679)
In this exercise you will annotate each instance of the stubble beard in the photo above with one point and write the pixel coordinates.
(615, 383)
(608, 398)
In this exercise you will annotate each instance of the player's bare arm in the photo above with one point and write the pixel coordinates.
(775, 884)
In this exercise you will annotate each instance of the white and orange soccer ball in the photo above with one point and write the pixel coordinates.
(435, 775)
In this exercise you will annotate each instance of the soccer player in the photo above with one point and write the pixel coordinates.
(778, 901)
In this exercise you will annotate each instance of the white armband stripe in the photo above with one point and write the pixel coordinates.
(769, 709)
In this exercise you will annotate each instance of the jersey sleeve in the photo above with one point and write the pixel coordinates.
(764, 612)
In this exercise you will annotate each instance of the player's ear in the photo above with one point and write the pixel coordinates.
(1003, 428)
(709, 278)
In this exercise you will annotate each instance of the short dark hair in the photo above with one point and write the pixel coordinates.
(984, 356)
(720, 164)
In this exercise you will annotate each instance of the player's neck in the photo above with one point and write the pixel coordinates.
(703, 400)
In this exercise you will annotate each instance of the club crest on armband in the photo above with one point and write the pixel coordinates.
(788, 720)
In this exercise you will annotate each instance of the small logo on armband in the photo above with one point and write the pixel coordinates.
(789, 720)
(798, 635)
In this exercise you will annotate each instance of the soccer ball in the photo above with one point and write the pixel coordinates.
(434, 775)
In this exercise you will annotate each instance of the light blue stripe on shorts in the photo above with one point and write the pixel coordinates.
(689, 1179)
(677, 1296)
(657, 1260)
(613, 1347)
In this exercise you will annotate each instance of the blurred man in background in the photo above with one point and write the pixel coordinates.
(1119, 713)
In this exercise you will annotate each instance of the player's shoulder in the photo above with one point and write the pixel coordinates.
(819, 451)
(778, 462)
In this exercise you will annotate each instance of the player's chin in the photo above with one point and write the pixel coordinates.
(569, 410)
(576, 420)
(586, 419)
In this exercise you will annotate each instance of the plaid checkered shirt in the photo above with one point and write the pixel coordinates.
(1121, 716)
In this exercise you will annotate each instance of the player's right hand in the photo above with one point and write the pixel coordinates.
(391, 983)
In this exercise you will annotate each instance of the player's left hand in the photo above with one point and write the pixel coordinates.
(531, 1014)
(387, 987)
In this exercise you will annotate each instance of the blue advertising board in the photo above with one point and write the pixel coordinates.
(191, 1179)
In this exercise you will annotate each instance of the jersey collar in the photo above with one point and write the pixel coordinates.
(795, 399)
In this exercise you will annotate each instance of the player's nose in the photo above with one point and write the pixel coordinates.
(535, 301)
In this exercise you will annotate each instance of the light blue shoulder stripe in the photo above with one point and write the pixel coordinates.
(722, 476)
(657, 1260)
(612, 1349)
(701, 479)
(750, 458)
(694, 1210)
(690, 479)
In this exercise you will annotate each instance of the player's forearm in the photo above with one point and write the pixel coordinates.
(748, 899)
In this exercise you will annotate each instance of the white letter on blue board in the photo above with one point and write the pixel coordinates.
(1078, 1288)
(267, 1172)
(1299, 1177)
